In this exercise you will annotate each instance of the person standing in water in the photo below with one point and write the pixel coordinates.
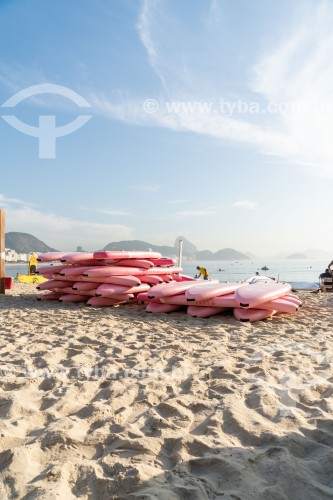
(202, 271)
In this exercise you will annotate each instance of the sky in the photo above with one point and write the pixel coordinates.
(150, 119)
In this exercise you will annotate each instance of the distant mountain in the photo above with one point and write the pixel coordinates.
(142, 246)
(296, 256)
(25, 243)
(205, 255)
(225, 254)
(188, 247)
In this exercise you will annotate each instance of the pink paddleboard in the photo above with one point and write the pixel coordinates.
(50, 269)
(51, 284)
(204, 312)
(182, 277)
(203, 291)
(252, 314)
(263, 291)
(163, 262)
(152, 307)
(151, 279)
(49, 296)
(69, 290)
(174, 288)
(84, 286)
(122, 254)
(103, 302)
(71, 297)
(108, 289)
(77, 257)
(103, 279)
(72, 270)
(224, 301)
(143, 296)
(281, 304)
(50, 256)
(145, 264)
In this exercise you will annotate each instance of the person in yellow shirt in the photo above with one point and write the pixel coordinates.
(202, 271)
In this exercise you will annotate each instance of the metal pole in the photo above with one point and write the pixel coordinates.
(2, 251)
(180, 252)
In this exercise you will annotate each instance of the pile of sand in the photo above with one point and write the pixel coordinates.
(115, 403)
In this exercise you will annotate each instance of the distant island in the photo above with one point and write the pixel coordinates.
(297, 256)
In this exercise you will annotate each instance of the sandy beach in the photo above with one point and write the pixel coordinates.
(118, 404)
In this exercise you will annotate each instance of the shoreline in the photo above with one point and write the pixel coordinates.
(117, 403)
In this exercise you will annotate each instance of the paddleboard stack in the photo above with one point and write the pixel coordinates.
(104, 278)
(249, 302)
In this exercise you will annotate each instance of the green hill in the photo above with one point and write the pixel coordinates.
(25, 243)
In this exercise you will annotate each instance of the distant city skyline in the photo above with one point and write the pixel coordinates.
(210, 119)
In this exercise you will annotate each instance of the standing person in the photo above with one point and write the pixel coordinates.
(202, 272)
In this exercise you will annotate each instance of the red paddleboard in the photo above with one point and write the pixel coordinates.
(263, 291)
(203, 291)
(122, 254)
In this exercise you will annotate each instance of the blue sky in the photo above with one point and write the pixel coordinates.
(210, 119)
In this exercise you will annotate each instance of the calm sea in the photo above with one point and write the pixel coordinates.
(300, 273)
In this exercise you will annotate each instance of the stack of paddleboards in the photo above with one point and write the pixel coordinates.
(250, 302)
(103, 278)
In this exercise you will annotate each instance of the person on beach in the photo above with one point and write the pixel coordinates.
(202, 272)
(325, 280)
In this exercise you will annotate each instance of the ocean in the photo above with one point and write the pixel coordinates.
(300, 273)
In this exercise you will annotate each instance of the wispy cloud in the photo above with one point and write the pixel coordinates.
(59, 231)
(249, 205)
(175, 202)
(194, 213)
(292, 82)
(108, 211)
(147, 188)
